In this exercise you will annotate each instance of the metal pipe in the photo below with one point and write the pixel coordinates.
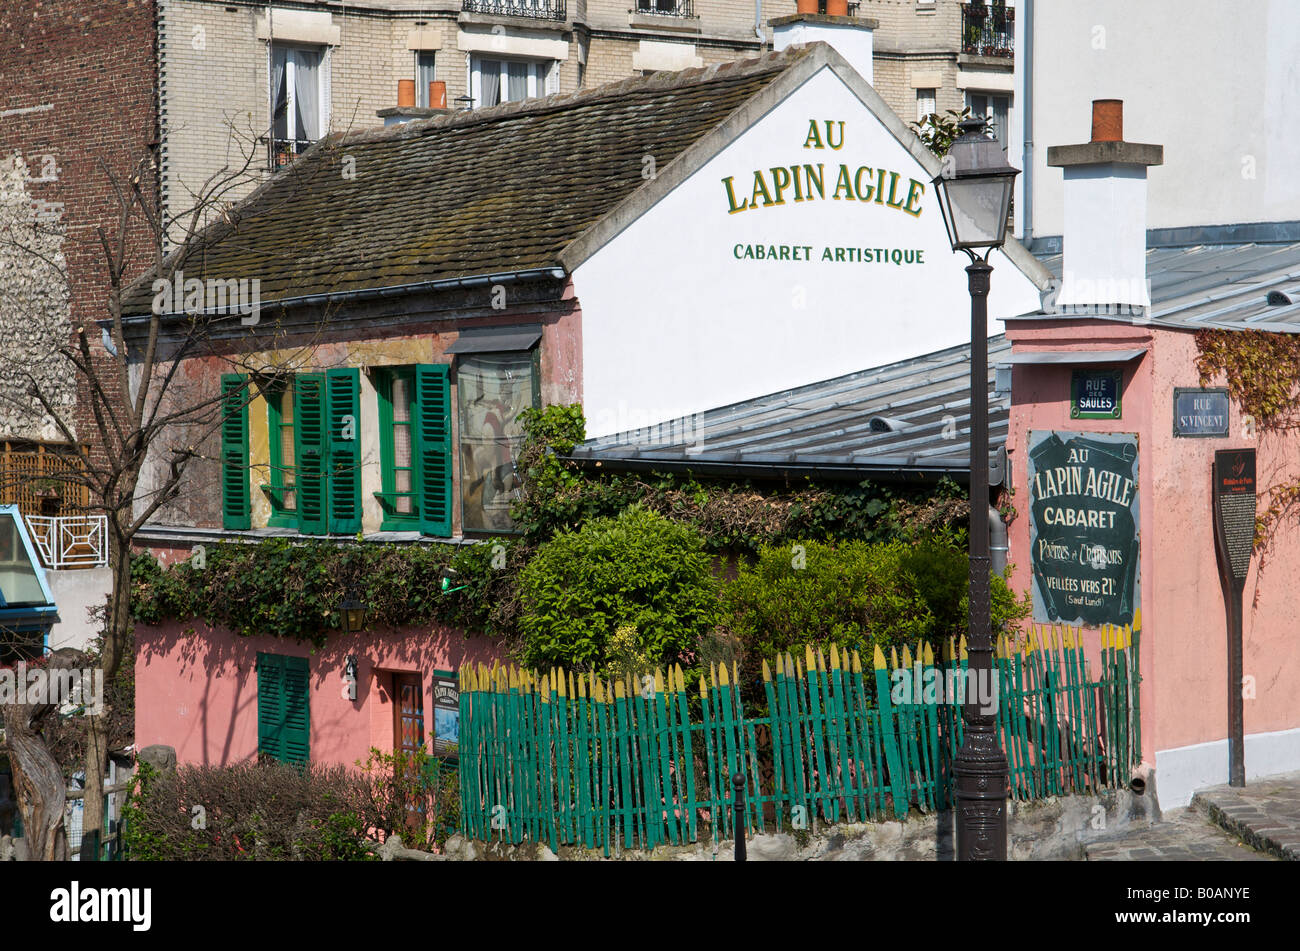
(1027, 107)
(997, 541)
(396, 290)
(758, 19)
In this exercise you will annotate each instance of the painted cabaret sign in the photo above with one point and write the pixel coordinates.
(820, 178)
(1083, 528)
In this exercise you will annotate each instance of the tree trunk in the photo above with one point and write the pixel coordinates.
(116, 636)
(39, 785)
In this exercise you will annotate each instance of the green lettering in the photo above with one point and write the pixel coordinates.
(893, 183)
(780, 182)
(815, 178)
(914, 192)
(813, 136)
(731, 198)
(843, 183)
(880, 187)
(857, 183)
(760, 188)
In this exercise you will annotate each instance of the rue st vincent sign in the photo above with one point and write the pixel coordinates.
(1083, 526)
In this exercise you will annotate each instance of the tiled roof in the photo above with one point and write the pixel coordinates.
(471, 193)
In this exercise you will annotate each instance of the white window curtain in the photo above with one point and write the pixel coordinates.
(493, 81)
(307, 92)
(423, 76)
(925, 103)
(299, 93)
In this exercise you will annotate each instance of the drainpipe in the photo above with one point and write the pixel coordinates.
(997, 541)
(758, 19)
(1027, 164)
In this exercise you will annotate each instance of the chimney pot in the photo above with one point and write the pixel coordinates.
(438, 94)
(1108, 120)
(405, 92)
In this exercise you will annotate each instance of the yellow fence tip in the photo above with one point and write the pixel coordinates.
(767, 672)
(907, 656)
(713, 674)
(1137, 620)
(893, 657)
(704, 690)
(724, 676)
(929, 655)
(659, 681)
(857, 662)
(620, 691)
(809, 662)
(835, 657)
(780, 664)
(879, 659)
(961, 648)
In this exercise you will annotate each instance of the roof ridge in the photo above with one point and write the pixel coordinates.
(773, 61)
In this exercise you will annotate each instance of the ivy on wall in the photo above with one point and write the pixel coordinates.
(1262, 370)
(295, 589)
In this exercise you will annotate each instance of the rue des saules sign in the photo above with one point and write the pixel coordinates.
(818, 176)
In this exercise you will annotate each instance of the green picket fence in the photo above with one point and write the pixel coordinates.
(571, 759)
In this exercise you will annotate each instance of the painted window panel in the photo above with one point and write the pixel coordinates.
(492, 390)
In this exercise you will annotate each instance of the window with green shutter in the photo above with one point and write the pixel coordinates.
(398, 456)
(415, 448)
(280, 435)
(309, 451)
(235, 502)
(433, 452)
(343, 491)
(283, 708)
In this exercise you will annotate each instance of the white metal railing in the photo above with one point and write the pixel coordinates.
(70, 541)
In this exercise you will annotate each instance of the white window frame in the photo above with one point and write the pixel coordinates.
(290, 69)
(422, 88)
(990, 112)
(543, 76)
(932, 98)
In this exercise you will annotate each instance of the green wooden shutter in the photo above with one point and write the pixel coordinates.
(283, 708)
(235, 503)
(343, 392)
(309, 451)
(270, 705)
(297, 711)
(433, 431)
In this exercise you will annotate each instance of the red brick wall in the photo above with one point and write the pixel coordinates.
(93, 62)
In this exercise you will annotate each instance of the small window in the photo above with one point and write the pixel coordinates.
(279, 403)
(492, 390)
(494, 81)
(298, 101)
(925, 104)
(997, 109)
(423, 76)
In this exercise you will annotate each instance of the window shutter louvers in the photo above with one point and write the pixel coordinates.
(309, 451)
(235, 502)
(433, 409)
(283, 708)
(270, 705)
(343, 389)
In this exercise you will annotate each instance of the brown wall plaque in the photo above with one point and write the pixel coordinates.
(1234, 508)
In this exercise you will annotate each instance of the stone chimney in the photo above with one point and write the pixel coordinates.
(850, 36)
(406, 109)
(1105, 240)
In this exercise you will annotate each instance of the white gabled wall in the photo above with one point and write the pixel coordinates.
(673, 323)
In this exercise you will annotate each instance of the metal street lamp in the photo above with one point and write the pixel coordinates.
(974, 192)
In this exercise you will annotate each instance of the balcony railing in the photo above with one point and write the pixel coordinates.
(70, 541)
(532, 9)
(988, 30)
(666, 8)
(284, 151)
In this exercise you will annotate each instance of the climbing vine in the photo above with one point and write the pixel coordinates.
(1262, 370)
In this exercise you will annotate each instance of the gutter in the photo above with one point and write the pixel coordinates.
(1027, 161)
(370, 293)
(829, 472)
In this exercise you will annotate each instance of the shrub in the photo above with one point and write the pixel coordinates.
(638, 568)
(856, 595)
(276, 811)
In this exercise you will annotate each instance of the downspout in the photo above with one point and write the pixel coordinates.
(1027, 199)
(758, 19)
(997, 541)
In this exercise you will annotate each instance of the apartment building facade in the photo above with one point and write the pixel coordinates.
(252, 84)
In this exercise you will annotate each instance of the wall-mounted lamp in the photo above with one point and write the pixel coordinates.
(354, 612)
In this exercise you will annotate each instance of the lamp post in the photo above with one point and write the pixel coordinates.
(974, 191)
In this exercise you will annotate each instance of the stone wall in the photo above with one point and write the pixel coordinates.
(1044, 830)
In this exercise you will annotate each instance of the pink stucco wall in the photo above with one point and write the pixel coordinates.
(1184, 635)
(198, 692)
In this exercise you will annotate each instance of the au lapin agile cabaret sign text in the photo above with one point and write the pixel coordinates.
(825, 181)
(1083, 528)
